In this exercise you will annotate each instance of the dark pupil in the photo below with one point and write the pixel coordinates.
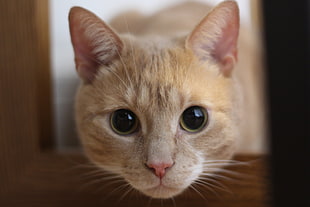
(123, 120)
(193, 117)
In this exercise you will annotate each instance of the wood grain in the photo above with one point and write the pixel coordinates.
(43, 74)
(18, 89)
(60, 180)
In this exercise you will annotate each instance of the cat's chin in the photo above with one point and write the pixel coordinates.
(162, 191)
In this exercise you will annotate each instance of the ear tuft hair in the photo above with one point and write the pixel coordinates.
(215, 37)
(94, 42)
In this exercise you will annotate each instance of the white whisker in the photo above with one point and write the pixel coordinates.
(149, 202)
(119, 188)
(131, 46)
(125, 68)
(101, 180)
(104, 175)
(226, 171)
(207, 187)
(214, 183)
(108, 68)
(77, 165)
(226, 162)
(198, 192)
(130, 189)
(218, 176)
(173, 201)
(94, 173)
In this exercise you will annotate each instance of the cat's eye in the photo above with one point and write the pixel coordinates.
(124, 122)
(194, 119)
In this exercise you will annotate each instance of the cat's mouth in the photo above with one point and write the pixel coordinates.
(162, 191)
(170, 185)
(163, 188)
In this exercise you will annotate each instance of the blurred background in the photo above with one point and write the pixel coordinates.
(65, 79)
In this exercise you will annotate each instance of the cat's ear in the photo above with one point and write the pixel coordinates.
(215, 37)
(94, 42)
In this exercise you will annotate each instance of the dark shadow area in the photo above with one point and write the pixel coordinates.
(288, 88)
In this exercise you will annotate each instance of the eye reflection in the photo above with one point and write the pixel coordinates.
(124, 122)
(194, 119)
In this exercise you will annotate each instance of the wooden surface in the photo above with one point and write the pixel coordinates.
(31, 175)
(19, 114)
(64, 179)
(25, 80)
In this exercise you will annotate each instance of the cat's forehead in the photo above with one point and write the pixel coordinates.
(157, 77)
(152, 78)
(157, 63)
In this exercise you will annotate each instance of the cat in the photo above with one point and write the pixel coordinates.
(166, 98)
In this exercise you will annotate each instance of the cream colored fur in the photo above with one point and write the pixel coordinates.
(156, 75)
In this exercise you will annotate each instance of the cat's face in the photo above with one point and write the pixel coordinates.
(157, 116)
(157, 89)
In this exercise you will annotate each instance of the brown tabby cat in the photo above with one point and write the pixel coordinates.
(164, 102)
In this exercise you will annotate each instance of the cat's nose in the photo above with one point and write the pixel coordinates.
(159, 169)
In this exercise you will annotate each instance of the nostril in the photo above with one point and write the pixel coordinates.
(149, 168)
(159, 169)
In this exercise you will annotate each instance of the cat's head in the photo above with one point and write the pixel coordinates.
(157, 112)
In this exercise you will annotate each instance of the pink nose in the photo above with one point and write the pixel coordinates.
(159, 168)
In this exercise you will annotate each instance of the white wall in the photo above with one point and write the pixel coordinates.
(65, 79)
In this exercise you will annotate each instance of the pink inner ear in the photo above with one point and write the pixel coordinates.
(226, 45)
(91, 39)
(216, 36)
(85, 61)
(225, 49)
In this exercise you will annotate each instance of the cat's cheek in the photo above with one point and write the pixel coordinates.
(102, 147)
(218, 139)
